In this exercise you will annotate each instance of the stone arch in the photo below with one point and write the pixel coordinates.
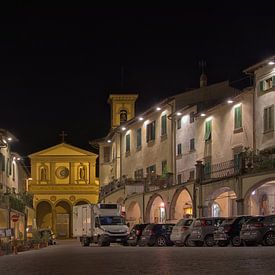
(81, 202)
(44, 214)
(184, 195)
(133, 213)
(225, 197)
(151, 207)
(63, 210)
(260, 198)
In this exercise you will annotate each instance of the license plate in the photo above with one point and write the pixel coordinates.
(118, 240)
(246, 233)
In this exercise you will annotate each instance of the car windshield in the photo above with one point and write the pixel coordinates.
(112, 220)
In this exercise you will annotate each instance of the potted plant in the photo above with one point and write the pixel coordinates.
(36, 239)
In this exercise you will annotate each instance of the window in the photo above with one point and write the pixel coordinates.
(179, 123)
(150, 133)
(192, 175)
(127, 143)
(106, 153)
(13, 171)
(123, 116)
(139, 138)
(2, 162)
(208, 130)
(139, 174)
(179, 178)
(164, 169)
(192, 117)
(179, 149)
(163, 125)
(151, 170)
(238, 117)
(267, 84)
(269, 118)
(192, 144)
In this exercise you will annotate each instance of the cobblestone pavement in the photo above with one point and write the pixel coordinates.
(68, 257)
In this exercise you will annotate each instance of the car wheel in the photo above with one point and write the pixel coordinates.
(236, 241)
(222, 243)
(209, 241)
(100, 241)
(269, 239)
(188, 242)
(161, 241)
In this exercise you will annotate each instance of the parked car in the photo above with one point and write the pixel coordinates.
(203, 230)
(229, 231)
(48, 234)
(259, 230)
(135, 234)
(181, 232)
(156, 234)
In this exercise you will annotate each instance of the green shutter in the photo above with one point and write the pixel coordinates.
(238, 117)
(147, 132)
(271, 118)
(261, 86)
(128, 143)
(153, 130)
(2, 162)
(139, 137)
(265, 120)
(273, 81)
(207, 135)
(163, 125)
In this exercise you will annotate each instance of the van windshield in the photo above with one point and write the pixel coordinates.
(112, 220)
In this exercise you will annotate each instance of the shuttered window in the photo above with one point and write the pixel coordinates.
(128, 143)
(150, 131)
(163, 125)
(208, 130)
(139, 138)
(261, 86)
(238, 117)
(179, 149)
(2, 162)
(269, 118)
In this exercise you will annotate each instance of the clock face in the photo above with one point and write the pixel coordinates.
(62, 172)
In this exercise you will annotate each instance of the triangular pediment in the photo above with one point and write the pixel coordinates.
(63, 149)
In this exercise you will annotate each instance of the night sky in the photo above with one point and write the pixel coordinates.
(59, 64)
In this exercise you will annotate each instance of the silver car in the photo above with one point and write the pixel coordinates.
(181, 232)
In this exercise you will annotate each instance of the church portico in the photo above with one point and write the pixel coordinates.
(62, 176)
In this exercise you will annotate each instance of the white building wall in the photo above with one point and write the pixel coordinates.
(150, 153)
(186, 162)
(262, 100)
(224, 139)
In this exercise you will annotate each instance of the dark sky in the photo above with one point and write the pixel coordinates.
(59, 64)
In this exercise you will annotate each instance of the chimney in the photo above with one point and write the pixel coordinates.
(203, 77)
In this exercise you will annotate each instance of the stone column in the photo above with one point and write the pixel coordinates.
(52, 174)
(240, 206)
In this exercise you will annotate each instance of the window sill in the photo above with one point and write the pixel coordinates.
(138, 148)
(192, 150)
(179, 156)
(163, 137)
(268, 131)
(238, 130)
(150, 143)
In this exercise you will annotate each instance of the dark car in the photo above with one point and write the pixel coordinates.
(156, 234)
(259, 230)
(229, 231)
(135, 234)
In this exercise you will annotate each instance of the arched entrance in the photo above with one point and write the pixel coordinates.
(222, 203)
(82, 202)
(44, 218)
(261, 199)
(181, 205)
(133, 214)
(155, 211)
(63, 219)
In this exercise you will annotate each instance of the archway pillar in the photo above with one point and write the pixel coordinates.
(240, 206)
(54, 220)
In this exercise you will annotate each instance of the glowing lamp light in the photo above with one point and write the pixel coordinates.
(4, 141)
(202, 115)
(179, 114)
(271, 63)
(9, 139)
(109, 141)
(141, 118)
(253, 193)
(158, 108)
(229, 101)
(123, 128)
(18, 158)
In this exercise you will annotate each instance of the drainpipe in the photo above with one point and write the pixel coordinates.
(254, 116)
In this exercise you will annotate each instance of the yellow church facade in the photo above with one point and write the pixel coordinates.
(62, 176)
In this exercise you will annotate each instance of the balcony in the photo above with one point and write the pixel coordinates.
(16, 202)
